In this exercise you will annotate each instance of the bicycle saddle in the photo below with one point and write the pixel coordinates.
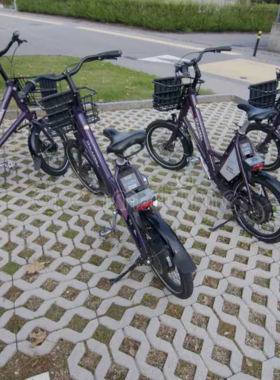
(120, 141)
(257, 114)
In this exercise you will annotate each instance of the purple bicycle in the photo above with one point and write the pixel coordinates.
(265, 136)
(158, 245)
(254, 196)
(47, 150)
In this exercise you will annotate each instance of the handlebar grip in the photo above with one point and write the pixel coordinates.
(110, 54)
(217, 49)
(222, 48)
(30, 86)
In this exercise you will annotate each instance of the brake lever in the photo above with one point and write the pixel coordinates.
(20, 42)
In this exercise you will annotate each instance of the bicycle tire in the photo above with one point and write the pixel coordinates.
(96, 187)
(271, 185)
(265, 129)
(156, 244)
(37, 135)
(170, 126)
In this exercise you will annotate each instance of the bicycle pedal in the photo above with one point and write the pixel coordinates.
(106, 233)
(195, 160)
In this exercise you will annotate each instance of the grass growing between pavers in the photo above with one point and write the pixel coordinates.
(22, 366)
(113, 82)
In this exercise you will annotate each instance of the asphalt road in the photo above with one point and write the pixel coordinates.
(143, 50)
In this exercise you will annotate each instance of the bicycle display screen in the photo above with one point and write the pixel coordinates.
(130, 182)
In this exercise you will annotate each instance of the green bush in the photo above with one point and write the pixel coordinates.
(162, 15)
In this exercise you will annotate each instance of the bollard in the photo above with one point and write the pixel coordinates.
(257, 43)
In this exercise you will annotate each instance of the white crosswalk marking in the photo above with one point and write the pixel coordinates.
(162, 59)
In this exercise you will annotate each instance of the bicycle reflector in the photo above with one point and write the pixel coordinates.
(258, 167)
(145, 205)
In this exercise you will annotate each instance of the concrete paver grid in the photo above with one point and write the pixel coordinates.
(229, 328)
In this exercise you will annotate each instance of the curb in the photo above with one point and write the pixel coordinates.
(148, 103)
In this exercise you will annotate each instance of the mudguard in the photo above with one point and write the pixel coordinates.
(34, 148)
(259, 174)
(271, 180)
(189, 141)
(186, 135)
(181, 258)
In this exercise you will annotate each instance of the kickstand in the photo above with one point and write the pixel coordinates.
(138, 262)
(213, 229)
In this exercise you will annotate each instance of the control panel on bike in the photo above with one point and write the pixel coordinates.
(135, 188)
(230, 169)
(251, 161)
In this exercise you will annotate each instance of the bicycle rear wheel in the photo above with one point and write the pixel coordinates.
(161, 260)
(262, 218)
(84, 169)
(271, 151)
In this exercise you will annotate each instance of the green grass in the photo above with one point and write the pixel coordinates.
(113, 82)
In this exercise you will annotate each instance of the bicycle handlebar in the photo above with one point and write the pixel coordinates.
(217, 49)
(31, 85)
(15, 38)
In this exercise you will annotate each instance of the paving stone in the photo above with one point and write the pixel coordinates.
(135, 329)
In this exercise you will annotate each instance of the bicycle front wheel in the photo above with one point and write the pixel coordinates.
(172, 156)
(54, 161)
(270, 152)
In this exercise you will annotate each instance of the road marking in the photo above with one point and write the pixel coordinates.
(182, 46)
(164, 59)
(241, 69)
(156, 59)
(31, 19)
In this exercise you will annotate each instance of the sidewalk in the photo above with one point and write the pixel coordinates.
(134, 329)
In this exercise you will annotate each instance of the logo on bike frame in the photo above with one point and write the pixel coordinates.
(196, 121)
(93, 155)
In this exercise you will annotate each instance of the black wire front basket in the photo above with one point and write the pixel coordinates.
(170, 92)
(59, 110)
(265, 94)
(44, 88)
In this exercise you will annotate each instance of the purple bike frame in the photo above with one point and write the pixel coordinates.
(92, 148)
(11, 92)
(203, 144)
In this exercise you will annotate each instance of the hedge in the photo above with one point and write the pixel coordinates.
(163, 15)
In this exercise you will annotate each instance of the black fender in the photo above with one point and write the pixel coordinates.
(189, 141)
(181, 258)
(271, 180)
(263, 175)
(186, 135)
(34, 146)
